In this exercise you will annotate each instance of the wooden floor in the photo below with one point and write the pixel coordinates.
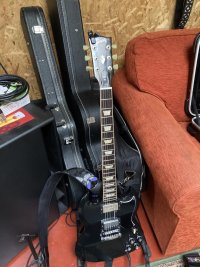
(62, 240)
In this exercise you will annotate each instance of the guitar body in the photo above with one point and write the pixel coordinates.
(89, 246)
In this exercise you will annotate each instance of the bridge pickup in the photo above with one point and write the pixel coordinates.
(110, 207)
(110, 229)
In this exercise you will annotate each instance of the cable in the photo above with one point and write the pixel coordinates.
(15, 86)
(27, 264)
(69, 215)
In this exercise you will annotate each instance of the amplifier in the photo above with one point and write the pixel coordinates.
(25, 167)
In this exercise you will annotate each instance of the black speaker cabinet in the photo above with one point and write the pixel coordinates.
(25, 167)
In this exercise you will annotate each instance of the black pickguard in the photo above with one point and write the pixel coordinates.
(89, 245)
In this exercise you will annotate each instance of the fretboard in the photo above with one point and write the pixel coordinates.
(108, 146)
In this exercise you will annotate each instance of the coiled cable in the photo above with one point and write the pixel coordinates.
(12, 88)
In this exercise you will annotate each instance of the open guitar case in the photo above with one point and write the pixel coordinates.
(74, 103)
(193, 102)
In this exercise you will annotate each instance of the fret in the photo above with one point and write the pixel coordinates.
(109, 199)
(109, 190)
(109, 157)
(109, 172)
(109, 195)
(105, 88)
(109, 161)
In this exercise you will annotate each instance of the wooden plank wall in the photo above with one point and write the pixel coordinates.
(120, 19)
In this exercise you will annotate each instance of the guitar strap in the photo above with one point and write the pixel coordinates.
(43, 212)
(182, 13)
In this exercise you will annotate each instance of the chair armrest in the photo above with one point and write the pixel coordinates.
(172, 157)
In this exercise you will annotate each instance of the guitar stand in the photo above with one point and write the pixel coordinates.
(81, 263)
(37, 259)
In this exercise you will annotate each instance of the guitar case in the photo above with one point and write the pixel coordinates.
(42, 55)
(193, 102)
(81, 91)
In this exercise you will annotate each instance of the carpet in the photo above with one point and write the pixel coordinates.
(174, 261)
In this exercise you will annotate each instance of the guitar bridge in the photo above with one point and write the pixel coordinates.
(110, 229)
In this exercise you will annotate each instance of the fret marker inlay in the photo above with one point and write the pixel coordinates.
(108, 152)
(108, 141)
(109, 166)
(107, 112)
(109, 178)
(107, 128)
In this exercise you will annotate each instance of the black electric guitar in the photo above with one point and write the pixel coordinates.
(107, 226)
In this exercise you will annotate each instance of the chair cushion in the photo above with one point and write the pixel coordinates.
(161, 64)
(173, 156)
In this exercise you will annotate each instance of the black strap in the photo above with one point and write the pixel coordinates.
(43, 211)
(108, 263)
(182, 13)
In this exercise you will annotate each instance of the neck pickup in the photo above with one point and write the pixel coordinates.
(110, 207)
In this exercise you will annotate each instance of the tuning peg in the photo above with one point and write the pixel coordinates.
(88, 68)
(114, 46)
(116, 67)
(87, 58)
(114, 57)
(85, 47)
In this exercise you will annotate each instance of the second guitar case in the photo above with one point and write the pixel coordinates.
(82, 91)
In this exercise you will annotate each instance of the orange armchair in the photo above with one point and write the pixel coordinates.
(151, 90)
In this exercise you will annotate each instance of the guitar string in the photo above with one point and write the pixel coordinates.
(109, 121)
(102, 140)
(107, 95)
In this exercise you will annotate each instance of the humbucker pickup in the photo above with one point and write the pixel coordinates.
(110, 229)
(110, 207)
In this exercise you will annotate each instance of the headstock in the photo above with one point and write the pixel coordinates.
(101, 51)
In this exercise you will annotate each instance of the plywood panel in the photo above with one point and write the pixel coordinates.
(14, 54)
(125, 19)
(120, 19)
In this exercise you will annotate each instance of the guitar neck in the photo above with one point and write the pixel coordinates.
(108, 146)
